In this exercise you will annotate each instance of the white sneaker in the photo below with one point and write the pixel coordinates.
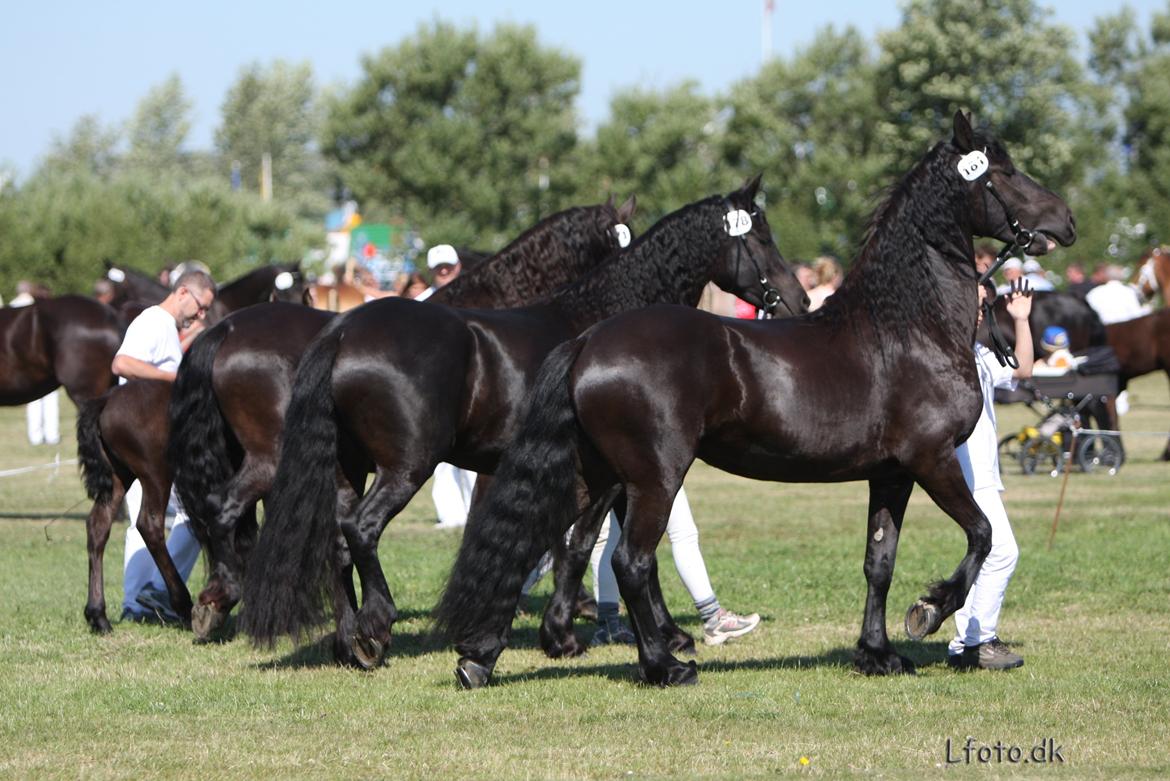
(725, 625)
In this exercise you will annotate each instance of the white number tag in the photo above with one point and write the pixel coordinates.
(623, 235)
(116, 275)
(973, 165)
(738, 222)
(283, 281)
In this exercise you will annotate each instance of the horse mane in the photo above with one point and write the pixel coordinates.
(555, 251)
(663, 265)
(893, 279)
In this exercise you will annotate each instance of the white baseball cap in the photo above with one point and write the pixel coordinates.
(1011, 263)
(441, 254)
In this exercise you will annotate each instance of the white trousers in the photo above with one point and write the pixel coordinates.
(44, 422)
(451, 490)
(977, 620)
(140, 570)
(684, 545)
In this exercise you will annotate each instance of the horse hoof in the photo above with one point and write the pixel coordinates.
(472, 675)
(206, 620)
(367, 651)
(922, 619)
(681, 643)
(564, 646)
(676, 674)
(869, 662)
(586, 608)
(101, 626)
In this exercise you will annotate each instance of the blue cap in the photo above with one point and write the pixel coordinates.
(1054, 338)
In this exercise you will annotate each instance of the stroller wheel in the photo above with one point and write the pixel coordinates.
(1100, 452)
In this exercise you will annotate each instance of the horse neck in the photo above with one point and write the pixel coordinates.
(533, 266)
(252, 288)
(671, 264)
(915, 273)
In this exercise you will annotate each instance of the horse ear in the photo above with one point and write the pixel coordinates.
(609, 201)
(626, 210)
(964, 138)
(751, 187)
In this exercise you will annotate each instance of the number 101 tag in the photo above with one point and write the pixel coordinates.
(973, 165)
(738, 222)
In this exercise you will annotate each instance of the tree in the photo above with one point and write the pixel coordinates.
(809, 125)
(661, 146)
(89, 148)
(272, 110)
(159, 129)
(456, 131)
(1138, 67)
(1003, 60)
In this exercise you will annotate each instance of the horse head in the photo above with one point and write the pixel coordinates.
(1006, 203)
(288, 283)
(750, 261)
(614, 222)
(1153, 274)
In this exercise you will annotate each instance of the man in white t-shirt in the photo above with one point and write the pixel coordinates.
(976, 644)
(153, 350)
(1116, 301)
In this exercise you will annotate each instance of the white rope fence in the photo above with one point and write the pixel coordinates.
(56, 464)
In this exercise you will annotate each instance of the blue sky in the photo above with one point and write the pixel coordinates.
(63, 59)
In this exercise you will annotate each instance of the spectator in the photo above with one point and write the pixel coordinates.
(829, 276)
(1054, 343)
(103, 291)
(806, 276)
(1012, 269)
(1078, 283)
(1034, 273)
(416, 285)
(444, 264)
(1116, 301)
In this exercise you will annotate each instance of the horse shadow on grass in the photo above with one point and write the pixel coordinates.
(923, 655)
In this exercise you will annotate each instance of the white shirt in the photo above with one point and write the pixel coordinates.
(22, 299)
(423, 296)
(153, 337)
(1116, 301)
(979, 455)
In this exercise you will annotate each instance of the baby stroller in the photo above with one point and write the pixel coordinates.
(1047, 444)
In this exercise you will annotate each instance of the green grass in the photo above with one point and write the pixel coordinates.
(1091, 615)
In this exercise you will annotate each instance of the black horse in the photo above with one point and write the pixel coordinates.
(368, 392)
(878, 385)
(233, 387)
(134, 290)
(66, 341)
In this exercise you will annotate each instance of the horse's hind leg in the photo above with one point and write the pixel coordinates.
(887, 508)
(224, 587)
(949, 490)
(344, 596)
(97, 533)
(633, 563)
(385, 499)
(152, 526)
(556, 630)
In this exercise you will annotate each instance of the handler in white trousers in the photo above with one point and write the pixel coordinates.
(976, 643)
(451, 489)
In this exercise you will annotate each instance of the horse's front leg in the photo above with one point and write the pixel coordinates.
(946, 486)
(887, 508)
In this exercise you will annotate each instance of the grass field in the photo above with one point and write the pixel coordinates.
(1091, 616)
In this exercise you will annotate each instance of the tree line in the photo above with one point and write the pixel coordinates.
(470, 137)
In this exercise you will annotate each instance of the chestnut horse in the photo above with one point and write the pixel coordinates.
(1152, 277)
(880, 385)
(370, 391)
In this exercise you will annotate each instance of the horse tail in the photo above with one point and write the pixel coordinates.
(291, 564)
(96, 470)
(532, 500)
(198, 447)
